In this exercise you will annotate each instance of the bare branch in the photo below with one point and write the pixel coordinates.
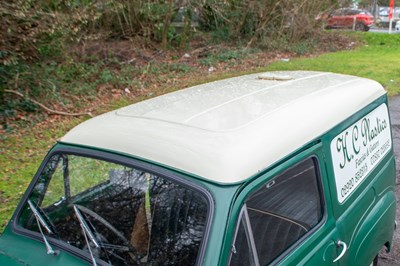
(51, 111)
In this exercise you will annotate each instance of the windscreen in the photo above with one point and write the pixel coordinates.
(115, 213)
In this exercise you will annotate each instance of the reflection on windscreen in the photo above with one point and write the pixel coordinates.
(132, 217)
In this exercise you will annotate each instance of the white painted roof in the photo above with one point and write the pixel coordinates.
(228, 130)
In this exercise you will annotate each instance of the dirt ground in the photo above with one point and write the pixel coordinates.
(393, 258)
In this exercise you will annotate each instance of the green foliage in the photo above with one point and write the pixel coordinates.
(80, 20)
(106, 76)
(208, 61)
(37, 36)
(166, 68)
(221, 34)
(301, 48)
(228, 55)
(56, 83)
(50, 45)
(179, 67)
(9, 107)
(257, 21)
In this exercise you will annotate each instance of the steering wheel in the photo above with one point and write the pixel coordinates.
(128, 247)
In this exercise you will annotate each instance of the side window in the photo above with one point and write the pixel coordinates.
(117, 214)
(338, 12)
(334, 13)
(347, 12)
(277, 215)
(73, 175)
(352, 12)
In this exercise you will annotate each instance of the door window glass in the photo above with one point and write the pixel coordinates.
(131, 216)
(279, 213)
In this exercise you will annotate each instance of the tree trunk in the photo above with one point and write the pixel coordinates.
(167, 22)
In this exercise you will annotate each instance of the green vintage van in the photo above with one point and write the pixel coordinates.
(280, 168)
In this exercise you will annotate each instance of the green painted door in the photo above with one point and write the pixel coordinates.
(286, 217)
(361, 176)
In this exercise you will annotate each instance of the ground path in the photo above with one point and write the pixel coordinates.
(393, 259)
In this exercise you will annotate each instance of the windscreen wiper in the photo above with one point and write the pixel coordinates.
(41, 222)
(87, 233)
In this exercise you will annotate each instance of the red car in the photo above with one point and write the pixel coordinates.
(361, 20)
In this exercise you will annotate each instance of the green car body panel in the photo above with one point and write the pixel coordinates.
(354, 219)
(20, 250)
